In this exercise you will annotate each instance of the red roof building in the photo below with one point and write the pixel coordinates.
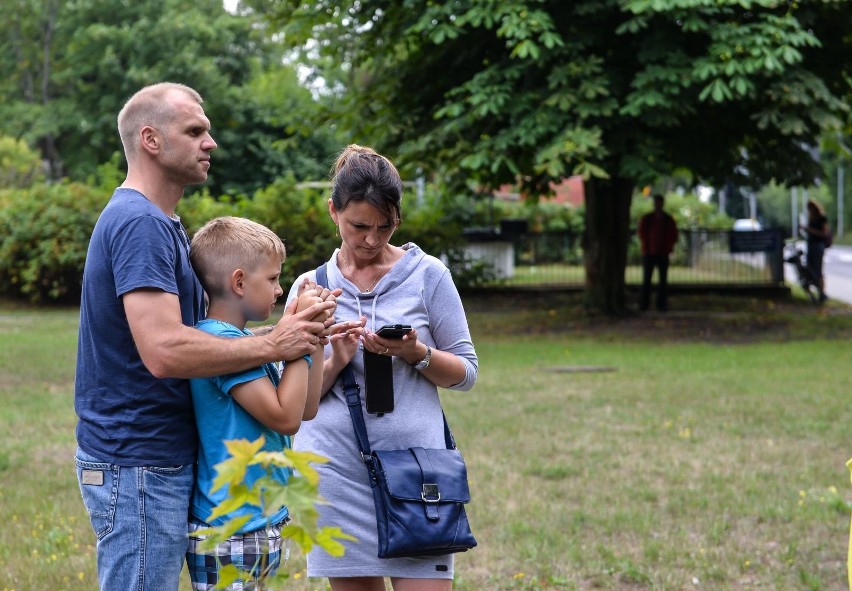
(570, 192)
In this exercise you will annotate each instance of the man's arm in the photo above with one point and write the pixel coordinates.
(170, 349)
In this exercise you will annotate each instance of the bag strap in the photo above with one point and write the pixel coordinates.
(353, 400)
(352, 392)
(429, 491)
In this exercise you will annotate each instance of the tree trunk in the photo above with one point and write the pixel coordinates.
(605, 241)
(48, 143)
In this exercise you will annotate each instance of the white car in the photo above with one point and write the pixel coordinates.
(747, 225)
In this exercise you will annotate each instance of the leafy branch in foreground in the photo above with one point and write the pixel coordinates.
(300, 495)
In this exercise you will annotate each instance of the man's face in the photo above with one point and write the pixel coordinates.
(187, 142)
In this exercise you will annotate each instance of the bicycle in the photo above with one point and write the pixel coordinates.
(794, 255)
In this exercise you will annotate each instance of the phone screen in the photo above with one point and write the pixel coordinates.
(378, 382)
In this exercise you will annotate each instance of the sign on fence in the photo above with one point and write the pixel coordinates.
(755, 241)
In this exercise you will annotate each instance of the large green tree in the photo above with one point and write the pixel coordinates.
(620, 91)
(67, 67)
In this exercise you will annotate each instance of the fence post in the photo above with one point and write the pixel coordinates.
(777, 257)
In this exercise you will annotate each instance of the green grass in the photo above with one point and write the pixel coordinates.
(723, 271)
(712, 450)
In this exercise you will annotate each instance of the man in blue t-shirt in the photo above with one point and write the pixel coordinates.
(137, 347)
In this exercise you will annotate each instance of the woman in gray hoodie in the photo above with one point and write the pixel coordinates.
(382, 284)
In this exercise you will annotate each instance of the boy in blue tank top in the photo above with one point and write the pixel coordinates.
(239, 265)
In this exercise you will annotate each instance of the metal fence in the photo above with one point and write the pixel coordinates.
(701, 257)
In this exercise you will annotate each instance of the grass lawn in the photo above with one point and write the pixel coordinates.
(701, 449)
(725, 270)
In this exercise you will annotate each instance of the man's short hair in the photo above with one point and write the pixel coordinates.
(228, 243)
(149, 107)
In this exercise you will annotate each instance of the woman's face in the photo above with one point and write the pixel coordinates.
(364, 229)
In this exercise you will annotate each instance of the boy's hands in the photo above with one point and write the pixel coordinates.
(310, 293)
(307, 322)
(308, 298)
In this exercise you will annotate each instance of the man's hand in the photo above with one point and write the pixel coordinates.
(298, 333)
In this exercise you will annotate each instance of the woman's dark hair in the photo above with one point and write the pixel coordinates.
(817, 208)
(361, 174)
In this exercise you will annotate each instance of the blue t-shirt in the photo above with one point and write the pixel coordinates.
(126, 415)
(220, 418)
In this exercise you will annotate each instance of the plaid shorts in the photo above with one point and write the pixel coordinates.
(257, 551)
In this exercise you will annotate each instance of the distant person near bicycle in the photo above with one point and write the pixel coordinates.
(658, 235)
(818, 236)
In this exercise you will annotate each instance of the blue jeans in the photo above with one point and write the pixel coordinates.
(140, 516)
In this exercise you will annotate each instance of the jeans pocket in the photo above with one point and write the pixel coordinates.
(99, 488)
(169, 490)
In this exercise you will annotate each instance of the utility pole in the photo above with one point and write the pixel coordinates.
(840, 199)
(794, 211)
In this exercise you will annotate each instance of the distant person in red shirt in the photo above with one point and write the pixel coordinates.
(658, 235)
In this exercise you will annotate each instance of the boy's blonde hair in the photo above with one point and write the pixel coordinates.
(225, 244)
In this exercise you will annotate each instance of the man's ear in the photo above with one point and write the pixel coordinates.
(151, 140)
(236, 282)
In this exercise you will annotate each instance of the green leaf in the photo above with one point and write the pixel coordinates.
(588, 170)
(327, 539)
(217, 534)
(526, 49)
(233, 470)
(302, 460)
(300, 535)
(473, 161)
(238, 495)
(228, 574)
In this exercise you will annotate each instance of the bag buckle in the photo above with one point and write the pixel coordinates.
(430, 493)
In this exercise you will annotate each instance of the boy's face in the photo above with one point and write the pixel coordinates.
(261, 288)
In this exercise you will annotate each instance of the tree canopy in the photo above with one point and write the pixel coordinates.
(68, 67)
(621, 91)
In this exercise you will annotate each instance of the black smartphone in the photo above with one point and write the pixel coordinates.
(378, 382)
(394, 331)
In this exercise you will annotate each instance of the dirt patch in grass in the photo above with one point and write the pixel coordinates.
(714, 318)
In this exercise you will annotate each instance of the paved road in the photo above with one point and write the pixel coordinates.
(837, 268)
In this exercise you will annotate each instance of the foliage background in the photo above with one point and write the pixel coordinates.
(469, 96)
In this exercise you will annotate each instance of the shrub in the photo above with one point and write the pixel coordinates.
(46, 230)
(298, 216)
(20, 166)
(44, 234)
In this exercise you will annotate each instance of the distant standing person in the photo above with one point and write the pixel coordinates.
(136, 435)
(658, 235)
(817, 234)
